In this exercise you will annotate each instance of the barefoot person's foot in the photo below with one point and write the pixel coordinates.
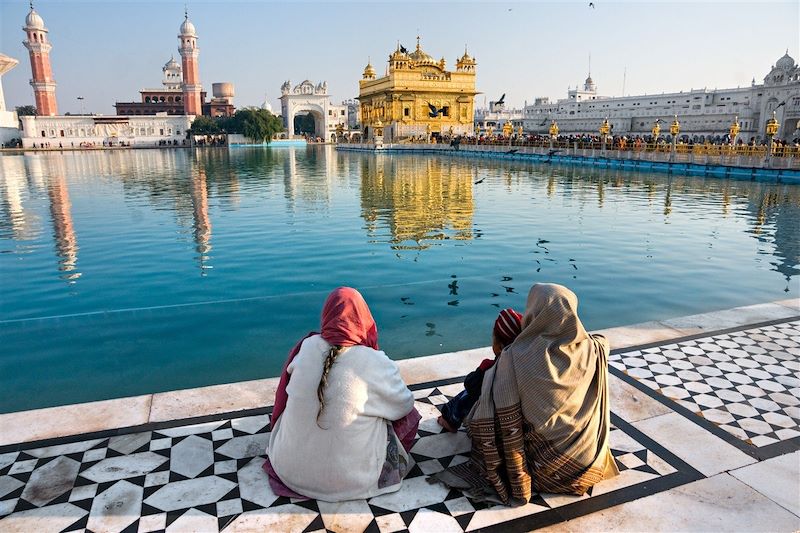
(446, 425)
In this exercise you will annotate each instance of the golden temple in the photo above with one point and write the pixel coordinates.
(418, 96)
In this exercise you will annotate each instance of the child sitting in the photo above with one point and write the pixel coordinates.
(506, 328)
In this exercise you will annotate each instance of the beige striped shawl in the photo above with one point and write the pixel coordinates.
(543, 418)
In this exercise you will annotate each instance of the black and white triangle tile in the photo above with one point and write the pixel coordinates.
(208, 477)
(744, 382)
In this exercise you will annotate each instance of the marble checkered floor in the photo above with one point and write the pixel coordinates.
(205, 474)
(743, 385)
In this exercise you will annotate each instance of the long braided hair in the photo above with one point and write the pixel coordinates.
(333, 353)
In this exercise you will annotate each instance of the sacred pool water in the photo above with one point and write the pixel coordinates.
(129, 272)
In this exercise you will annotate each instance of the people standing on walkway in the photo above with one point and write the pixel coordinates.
(343, 418)
(542, 421)
(506, 328)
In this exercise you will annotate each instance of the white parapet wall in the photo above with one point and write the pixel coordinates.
(75, 131)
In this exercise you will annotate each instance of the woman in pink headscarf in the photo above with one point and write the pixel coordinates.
(343, 419)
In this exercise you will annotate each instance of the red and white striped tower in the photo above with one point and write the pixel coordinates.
(192, 105)
(44, 87)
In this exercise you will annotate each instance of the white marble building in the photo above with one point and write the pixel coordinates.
(701, 112)
(496, 115)
(314, 99)
(9, 124)
(75, 131)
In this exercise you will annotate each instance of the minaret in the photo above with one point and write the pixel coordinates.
(192, 105)
(44, 87)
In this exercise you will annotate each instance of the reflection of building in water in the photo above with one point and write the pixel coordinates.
(63, 228)
(420, 200)
(201, 221)
(311, 184)
(20, 223)
(776, 209)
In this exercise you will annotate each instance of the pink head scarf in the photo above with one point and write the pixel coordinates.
(347, 321)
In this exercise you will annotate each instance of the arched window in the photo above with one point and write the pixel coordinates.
(169, 99)
(147, 99)
(44, 134)
(161, 99)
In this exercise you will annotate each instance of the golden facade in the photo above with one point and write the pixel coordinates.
(403, 99)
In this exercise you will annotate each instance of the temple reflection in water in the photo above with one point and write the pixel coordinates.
(399, 202)
(420, 201)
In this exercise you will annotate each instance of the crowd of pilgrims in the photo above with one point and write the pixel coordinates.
(537, 413)
(623, 142)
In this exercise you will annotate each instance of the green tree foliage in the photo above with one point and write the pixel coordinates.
(254, 123)
(26, 111)
(258, 124)
(203, 125)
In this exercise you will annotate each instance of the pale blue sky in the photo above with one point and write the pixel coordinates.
(107, 51)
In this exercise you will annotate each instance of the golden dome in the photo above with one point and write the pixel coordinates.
(369, 71)
(421, 57)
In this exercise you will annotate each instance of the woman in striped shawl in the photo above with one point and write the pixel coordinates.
(542, 421)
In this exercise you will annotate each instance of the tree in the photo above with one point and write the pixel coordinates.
(26, 111)
(203, 125)
(257, 124)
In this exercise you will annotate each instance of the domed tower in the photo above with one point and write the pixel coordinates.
(44, 86)
(588, 85)
(399, 59)
(173, 77)
(465, 63)
(369, 72)
(192, 104)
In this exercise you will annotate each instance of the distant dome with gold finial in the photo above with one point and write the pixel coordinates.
(399, 54)
(465, 62)
(369, 71)
(421, 57)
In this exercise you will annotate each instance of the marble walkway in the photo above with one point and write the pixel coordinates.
(706, 433)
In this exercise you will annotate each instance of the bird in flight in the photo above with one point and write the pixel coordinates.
(502, 100)
(434, 111)
(480, 181)
(591, 4)
(403, 49)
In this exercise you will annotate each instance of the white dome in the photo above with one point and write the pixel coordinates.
(266, 105)
(187, 28)
(34, 21)
(786, 62)
(172, 64)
